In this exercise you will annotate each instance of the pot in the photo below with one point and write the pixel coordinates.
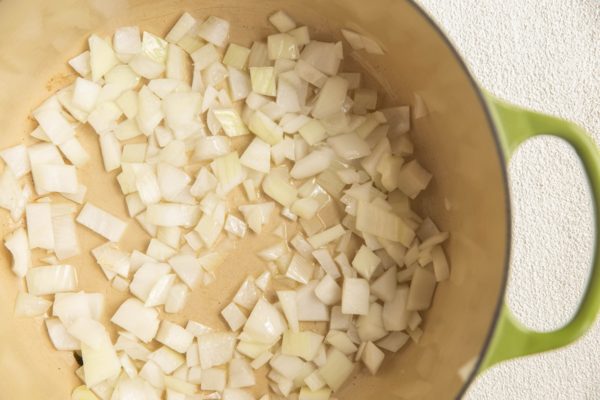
(465, 140)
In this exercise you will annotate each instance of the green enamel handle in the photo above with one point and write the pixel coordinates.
(511, 339)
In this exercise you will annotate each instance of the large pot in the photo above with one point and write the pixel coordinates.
(465, 140)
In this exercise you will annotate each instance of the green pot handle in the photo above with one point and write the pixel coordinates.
(511, 339)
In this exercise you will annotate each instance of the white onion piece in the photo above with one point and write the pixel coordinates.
(235, 226)
(39, 225)
(54, 178)
(299, 269)
(313, 164)
(322, 56)
(85, 94)
(28, 305)
(230, 121)
(349, 146)
(324, 259)
(55, 125)
(180, 110)
(172, 214)
(265, 323)
(181, 28)
(331, 97)
(215, 349)
(327, 236)
(229, 171)
(257, 215)
(257, 156)
(176, 298)
(265, 128)
(309, 307)
(282, 21)
(174, 336)
(213, 379)
(149, 112)
(81, 63)
(69, 307)
(101, 362)
(336, 369)
(60, 338)
(137, 319)
(248, 294)
(303, 344)
(187, 268)
(17, 159)
(111, 151)
(66, 243)
(74, 151)
(381, 223)
(328, 291)
(279, 190)
(341, 341)
(211, 147)
(146, 277)
(160, 291)
(51, 279)
(101, 222)
(355, 296)
(365, 262)
(214, 30)
(234, 317)
(102, 57)
(18, 245)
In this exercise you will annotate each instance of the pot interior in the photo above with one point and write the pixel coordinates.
(454, 141)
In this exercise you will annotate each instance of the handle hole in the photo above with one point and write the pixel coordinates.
(553, 233)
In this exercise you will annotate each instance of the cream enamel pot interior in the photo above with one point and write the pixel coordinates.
(457, 141)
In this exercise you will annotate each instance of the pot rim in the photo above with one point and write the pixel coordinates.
(503, 165)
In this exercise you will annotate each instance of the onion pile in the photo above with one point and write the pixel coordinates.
(354, 260)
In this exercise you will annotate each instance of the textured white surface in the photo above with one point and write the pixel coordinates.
(543, 55)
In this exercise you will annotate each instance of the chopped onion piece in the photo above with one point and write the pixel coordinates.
(355, 296)
(54, 178)
(102, 57)
(174, 336)
(257, 156)
(215, 349)
(282, 21)
(265, 323)
(234, 317)
(183, 25)
(18, 245)
(309, 307)
(236, 56)
(51, 279)
(102, 222)
(365, 262)
(39, 225)
(421, 291)
(327, 236)
(214, 30)
(279, 190)
(328, 291)
(66, 243)
(28, 305)
(137, 319)
(313, 164)
(300, 269)
(336, 370)
(17, 159)
(263, 81)
(264, 127)
(60, 338)
(349, 146)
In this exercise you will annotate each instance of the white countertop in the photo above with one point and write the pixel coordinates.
(544, 55)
